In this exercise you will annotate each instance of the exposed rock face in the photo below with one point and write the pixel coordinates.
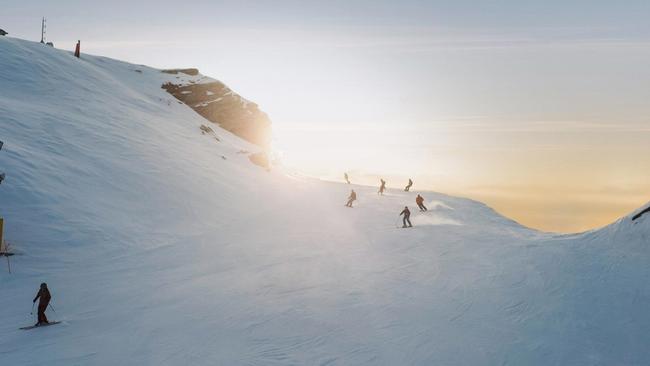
(219, 104)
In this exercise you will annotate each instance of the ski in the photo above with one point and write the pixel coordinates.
(38, 326)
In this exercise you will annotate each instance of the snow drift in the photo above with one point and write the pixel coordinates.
(162, 245)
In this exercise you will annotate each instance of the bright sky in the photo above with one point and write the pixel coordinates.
(538, 108)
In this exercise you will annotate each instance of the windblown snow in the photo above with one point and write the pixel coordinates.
(163, 246)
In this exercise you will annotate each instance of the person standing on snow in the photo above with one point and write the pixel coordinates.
(420, 201)
(407, 215)
(347, 179)
(44, 295)
(382, 187)
(352, 198)
(408, 186)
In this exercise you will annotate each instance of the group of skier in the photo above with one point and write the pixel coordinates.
(406, 213)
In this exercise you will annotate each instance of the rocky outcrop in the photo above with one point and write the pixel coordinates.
(219, 104)
(260, 159)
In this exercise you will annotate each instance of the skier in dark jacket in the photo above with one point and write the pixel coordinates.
(420, 201)
(382, 187)
(407, 215)
(77, 49)
(351, 198)
(408, 186)
(44, 295)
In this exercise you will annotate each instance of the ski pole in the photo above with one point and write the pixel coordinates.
(50, 305)
(32, 312)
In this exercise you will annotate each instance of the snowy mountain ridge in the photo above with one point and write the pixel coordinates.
(162, 245)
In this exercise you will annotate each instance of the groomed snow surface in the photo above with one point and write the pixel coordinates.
(158, 251)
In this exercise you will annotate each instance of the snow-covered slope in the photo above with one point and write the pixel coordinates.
(163, 246)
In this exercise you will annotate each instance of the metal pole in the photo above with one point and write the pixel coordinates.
(43, 30)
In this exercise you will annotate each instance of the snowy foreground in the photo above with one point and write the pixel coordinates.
(162, 246)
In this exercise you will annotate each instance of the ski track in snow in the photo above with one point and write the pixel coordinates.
(157, 251)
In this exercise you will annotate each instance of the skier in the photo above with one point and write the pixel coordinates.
(382, 187)
(408, 186)
(352, 198)
(407, 215)
(420, 201)
(347, 179)
(44, 295)
(77, 49)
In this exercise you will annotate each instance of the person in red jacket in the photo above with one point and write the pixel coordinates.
(44, 295)
(420, 201)
(77, 49)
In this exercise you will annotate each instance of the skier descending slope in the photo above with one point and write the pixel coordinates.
(407, 214)
(351, 198)
(420, 201)
(45, 297)
(408, 186)
(382, 187)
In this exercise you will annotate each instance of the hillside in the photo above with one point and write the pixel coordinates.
(162, 245)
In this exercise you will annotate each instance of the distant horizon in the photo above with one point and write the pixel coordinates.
(538, 110)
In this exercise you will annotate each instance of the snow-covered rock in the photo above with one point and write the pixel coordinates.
(159, 251)
(216, 102)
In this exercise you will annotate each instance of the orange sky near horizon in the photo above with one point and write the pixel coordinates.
(552, 187)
